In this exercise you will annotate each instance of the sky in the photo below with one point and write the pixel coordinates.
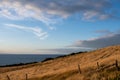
(58, 26)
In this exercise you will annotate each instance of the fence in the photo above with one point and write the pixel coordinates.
(26, 77)
(100, 68)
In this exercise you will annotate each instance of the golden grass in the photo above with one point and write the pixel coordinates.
(66, 68)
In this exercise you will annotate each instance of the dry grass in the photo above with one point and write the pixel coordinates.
(67, 68)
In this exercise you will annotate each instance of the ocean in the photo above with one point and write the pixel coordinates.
(9, 59)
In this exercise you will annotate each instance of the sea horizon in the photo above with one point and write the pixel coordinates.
(9, 59)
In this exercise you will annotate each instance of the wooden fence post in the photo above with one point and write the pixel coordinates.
(116, 64)
(98, 66)
(26, 76)
(79, 69)
(8, 77)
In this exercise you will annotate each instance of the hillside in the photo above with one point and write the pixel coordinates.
(66, 68)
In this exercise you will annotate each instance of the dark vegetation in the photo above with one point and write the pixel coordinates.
(47, 59)
(20, 64)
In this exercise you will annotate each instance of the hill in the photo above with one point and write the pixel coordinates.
(67, 68)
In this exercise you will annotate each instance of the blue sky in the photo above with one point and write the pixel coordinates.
(58, 26)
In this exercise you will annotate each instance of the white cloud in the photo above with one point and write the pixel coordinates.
(35, 30)
(15, 10)
(93, 15)
(49, 11)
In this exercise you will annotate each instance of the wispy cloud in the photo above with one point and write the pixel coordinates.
(35, 30)
(60, 50)
(104, 32)
(48, 11)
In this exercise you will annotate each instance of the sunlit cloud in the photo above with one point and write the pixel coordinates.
(35, 30)
(49, 11)
(20, 11)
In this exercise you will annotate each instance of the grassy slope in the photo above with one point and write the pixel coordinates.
(67, 68)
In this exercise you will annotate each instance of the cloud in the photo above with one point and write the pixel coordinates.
(108, 40)
(35, 30)
(49, 11)
(105, 32)
(16, 10)
(60, 50)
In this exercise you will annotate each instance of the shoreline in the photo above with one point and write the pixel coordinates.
(44, 60)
